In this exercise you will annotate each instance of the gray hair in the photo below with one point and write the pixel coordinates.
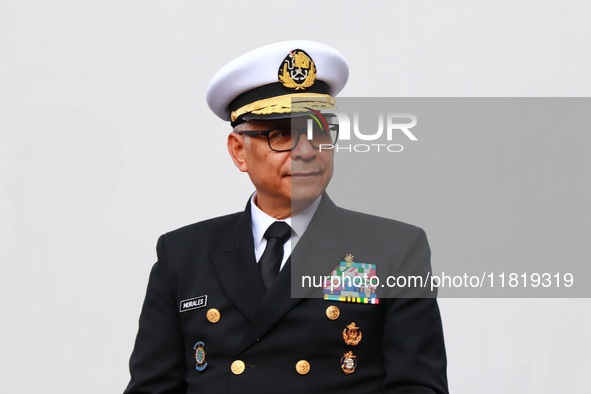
(241, 127)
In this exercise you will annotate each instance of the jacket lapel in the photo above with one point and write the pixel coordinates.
(320, 237)
(236, 267)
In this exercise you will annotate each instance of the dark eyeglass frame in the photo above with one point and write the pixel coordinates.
(266, 133)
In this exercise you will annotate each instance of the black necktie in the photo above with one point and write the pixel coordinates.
(270, 261)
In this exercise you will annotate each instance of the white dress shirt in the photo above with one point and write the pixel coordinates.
(261, 222)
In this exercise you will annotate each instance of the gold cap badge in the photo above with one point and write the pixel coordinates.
(297, 71)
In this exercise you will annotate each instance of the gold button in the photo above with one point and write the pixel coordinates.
(332, 312)
(213, 315)
(303, 367)
(237, 367)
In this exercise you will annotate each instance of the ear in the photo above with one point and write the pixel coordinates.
(237, 150)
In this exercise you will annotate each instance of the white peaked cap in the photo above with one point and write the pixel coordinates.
(257, 83)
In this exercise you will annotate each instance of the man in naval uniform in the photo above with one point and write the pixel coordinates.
(219, 316)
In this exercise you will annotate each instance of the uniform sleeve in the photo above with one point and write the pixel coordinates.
(414, 350)
(157, 363)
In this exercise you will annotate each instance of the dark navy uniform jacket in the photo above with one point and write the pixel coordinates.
(401, 350)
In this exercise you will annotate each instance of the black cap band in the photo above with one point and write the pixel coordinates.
(271, 90)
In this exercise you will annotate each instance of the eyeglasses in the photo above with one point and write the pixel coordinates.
(283, 139)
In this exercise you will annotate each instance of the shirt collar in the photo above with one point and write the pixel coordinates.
(261, 221)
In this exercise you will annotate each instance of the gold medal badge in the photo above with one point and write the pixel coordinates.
(297, 71)
(348, 363)
(352, 335)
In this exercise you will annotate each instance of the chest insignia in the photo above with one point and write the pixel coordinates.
(352, 335)
(352, 282)
(200, 363)
(348, 363)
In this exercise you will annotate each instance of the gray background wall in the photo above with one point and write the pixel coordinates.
(106, 142)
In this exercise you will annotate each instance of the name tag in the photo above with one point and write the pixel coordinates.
(193, 303)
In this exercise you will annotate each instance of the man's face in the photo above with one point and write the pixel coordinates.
(285, 180)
